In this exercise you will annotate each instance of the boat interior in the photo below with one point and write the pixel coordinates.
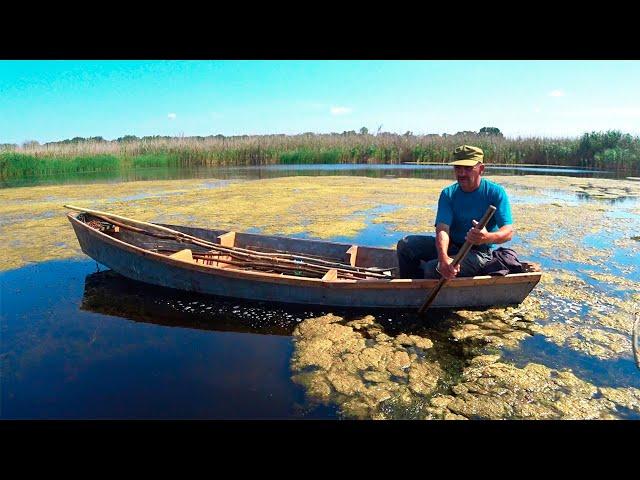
(244, 251)
(382, 261)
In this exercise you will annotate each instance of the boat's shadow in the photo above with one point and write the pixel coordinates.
(109, 293)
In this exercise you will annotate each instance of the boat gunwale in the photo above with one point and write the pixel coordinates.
(252, 275)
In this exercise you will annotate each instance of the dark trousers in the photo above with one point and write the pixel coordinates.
(418, 257)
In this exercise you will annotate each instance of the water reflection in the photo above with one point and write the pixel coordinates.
(109, 293)
(60, 361)
(274, 171)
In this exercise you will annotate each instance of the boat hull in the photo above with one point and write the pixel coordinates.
(146, 266)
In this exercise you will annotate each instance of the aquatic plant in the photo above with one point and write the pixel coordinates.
(23, 165)
(609, 150)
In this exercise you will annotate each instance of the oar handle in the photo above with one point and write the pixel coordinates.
(457, 259)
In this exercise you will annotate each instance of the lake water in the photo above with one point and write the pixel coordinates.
(81, 342)
(273, 171)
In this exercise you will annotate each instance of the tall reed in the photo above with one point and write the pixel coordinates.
(610, 149)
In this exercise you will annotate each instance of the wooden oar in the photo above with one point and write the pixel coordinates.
(458, 258)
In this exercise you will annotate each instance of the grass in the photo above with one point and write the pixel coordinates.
(152, 160)
(610, 150)
(16, 165)
(19, 165)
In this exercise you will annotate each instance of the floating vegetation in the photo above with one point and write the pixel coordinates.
(496, 327)
(582, 187)
(584, 303)
(495, 390)
(371, 374)
(358, 366)
(591, 341)
(320, 207)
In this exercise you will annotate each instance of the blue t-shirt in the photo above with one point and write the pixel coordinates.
(457, 208)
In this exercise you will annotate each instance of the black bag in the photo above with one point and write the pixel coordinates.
(504, 262)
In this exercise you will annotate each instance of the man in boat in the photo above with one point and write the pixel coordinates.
(460, 207)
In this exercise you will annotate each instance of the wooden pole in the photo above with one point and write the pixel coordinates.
(458, 258)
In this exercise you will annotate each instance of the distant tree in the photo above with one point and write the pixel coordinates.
(408, 133)
(347, 133)
(8, 146)
(158, 137)
(594, 142)
(127, 138)
(30, 143)
(490, 131)
(466, 133)
(364, 131)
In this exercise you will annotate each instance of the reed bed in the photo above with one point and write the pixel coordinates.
(611, 150)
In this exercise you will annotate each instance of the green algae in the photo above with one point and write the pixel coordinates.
(357, 365)
(498, 390)
(383, 379)
(361, 368)
(595, 342)
(320, 207)
(590, 187)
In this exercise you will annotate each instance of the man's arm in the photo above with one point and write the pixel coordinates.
(478, 237)
(442, 245)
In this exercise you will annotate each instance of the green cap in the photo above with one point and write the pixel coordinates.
(467, 156)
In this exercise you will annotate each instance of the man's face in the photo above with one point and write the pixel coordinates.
(469, 177)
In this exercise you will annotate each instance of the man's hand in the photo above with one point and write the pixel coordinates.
(477, 237)
(446, 270)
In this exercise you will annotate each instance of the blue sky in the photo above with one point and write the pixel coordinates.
(53, 100)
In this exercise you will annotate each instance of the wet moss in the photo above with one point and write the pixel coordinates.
(363, 379)
(624, 397)
(499, 390)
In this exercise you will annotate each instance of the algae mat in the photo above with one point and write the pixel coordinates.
(488, 364)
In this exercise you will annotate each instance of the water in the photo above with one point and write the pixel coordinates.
(274, 171)
(81, 342)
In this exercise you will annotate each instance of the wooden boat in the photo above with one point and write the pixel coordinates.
(315, 272)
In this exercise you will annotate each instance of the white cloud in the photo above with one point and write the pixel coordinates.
(172, 116)
(537, 109)
(556, 93)
(340, 110)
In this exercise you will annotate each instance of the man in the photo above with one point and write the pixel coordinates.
(460, 207)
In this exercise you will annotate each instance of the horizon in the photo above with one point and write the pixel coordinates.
(55, 100)
(352, 131)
